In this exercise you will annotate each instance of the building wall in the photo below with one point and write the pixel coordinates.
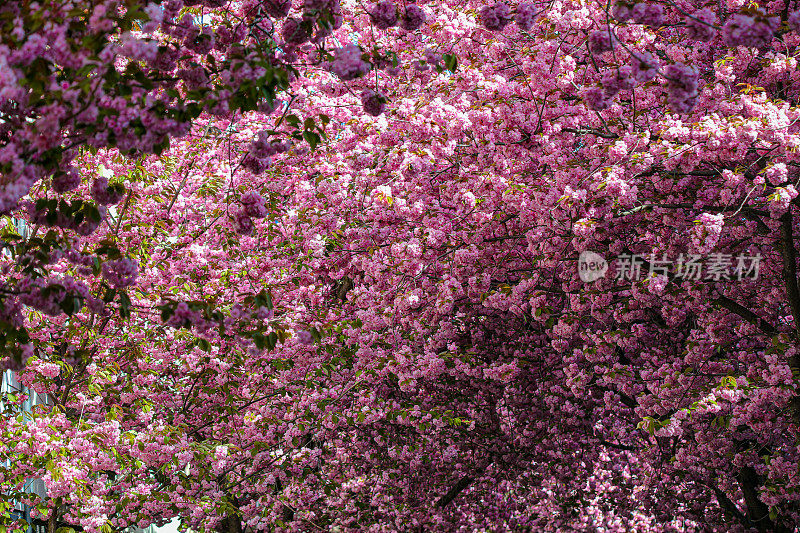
(9, 384)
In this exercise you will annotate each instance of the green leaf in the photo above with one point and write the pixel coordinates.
(312, 139)
(293, 120)
(259, 340)
(125, 305)
(450, 62)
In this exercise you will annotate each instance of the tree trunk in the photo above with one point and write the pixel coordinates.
(757, 511)
(231, 524)
(52, 520)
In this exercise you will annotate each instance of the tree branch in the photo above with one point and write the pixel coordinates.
(789, 274)
(462, 484)
(742, 311)
(729, 506)
(789, 270)
(757, 511)
(590, 131)
(625, 447)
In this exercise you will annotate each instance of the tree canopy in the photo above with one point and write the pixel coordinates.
(322, 266)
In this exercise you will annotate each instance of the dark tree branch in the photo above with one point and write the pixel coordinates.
(232, 523)
(732, 306)
(52, 520)
(789, 274)
(789, 270)
(750, 212)
(739, 309)
(625, 447)
(729, 506)
(590, 131)
(462, 484)
(757, 511)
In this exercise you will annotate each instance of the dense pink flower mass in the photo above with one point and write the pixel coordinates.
(384, 14)
(752, 30)
(348, 63)
(700, 25)
(682, 86)
(526, 16)
(120, 273)
(374, 103)
(648, 13)
(601, 40)
(275, 8)
(495, 16)
(413, 18)
(447, 266)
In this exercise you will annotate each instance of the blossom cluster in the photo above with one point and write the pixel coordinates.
(377, 330)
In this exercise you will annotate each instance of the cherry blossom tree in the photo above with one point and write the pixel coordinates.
(360, 307)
